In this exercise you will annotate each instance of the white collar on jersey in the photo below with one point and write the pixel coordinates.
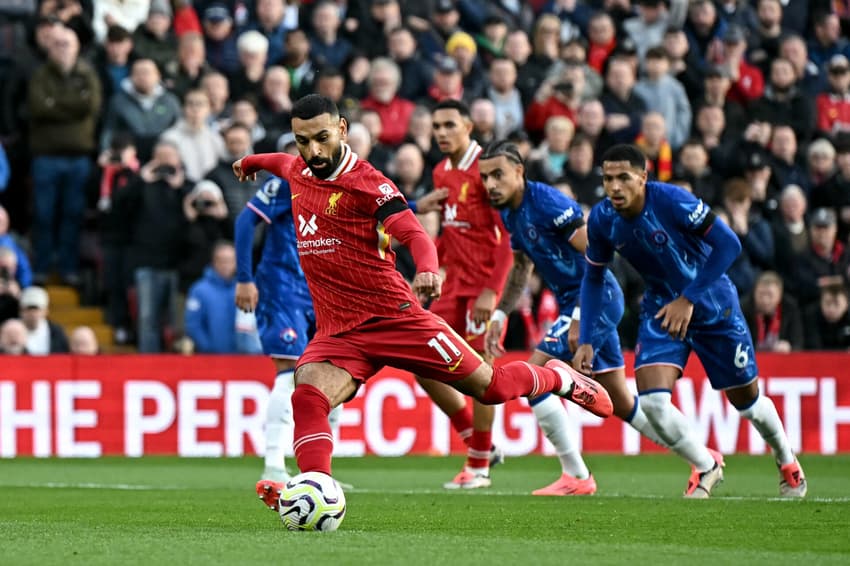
(468, 157)
(346, 164)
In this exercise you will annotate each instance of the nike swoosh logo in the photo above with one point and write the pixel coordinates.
(455, 365)
(295, 196)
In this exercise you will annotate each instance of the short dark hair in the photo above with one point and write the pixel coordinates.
(236, 126)
(626, 152)
(505, 148)
(452, 104)
(329, 71)
(657, 52)
(313, 105)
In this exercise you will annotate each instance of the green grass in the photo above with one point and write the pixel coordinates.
(196, 511)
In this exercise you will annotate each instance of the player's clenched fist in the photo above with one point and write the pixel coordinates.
(583, 359)
(246, 296)
(240, 173)
(427, 286)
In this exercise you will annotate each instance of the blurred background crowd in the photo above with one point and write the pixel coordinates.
(119, 120)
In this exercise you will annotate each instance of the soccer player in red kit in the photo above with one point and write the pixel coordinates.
(474, 250)
(367, 316)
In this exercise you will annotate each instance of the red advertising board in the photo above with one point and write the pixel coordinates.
(214, 406)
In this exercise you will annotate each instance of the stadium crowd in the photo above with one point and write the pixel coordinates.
(119, 121)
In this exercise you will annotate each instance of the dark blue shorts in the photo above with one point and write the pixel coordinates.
(284, 330)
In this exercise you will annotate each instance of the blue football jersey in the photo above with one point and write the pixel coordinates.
(663, 243)
(541, 228)
(279, 276)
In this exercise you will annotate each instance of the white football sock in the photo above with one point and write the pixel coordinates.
(673, 428)
(766, 421)
(552, 417)
(333, 420)
(279, 419)
(640, 423)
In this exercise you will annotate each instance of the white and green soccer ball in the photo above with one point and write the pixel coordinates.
(312, 501)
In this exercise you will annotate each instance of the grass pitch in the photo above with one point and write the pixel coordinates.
(196, 511)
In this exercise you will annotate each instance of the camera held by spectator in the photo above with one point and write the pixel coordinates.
(206, 199)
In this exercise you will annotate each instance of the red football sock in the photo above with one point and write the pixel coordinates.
(478, 455)
(519, 379)
(462, 422)
(313, 441)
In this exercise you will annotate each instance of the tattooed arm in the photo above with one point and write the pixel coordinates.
(514, 286)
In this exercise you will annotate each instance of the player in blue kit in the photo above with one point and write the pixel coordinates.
(279, 295)
(548, 232)
(682, 252)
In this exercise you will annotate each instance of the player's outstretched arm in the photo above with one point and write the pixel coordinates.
(278, 164)
(514, 285)
(247, 295)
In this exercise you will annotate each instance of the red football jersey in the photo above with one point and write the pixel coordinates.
(474, 247)
(344, 250)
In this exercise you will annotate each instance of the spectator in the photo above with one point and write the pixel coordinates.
(109, 13)
(482, 112)
(113, 61)
(623, 107)
(416, 74)
(685, 65)
(753, 231)
(505, 96)
(647, 29)
(326, 46)
(410, 174)
(810, 79)
(394, 111)
(820, 161)
(584, 178)
(383, 16)
(827, 256)
(789, 230)
(491, 40)
(694, 169)
(828, 321)
(155, 39)
(774, 318)
(665, 95)
(64, 103)
(419, 132)
(156, 226)
(43, 336)
(764, 46)
(13, 338)
(10, 290)
(253, 52)
(827, 41)
(75, 15)
(142, 108)
(716, 87)
(330, 82)
(444, 22)
(22, 271)
(83, 342)
(275, 101)
(591, 123)
(119, 168)
(462, 48)
(704, 30)
(835, 192)
(602, 40)
(783, 103)
(298, 62)
(711, 131)
(518, 50)
(220, 39)
(574, 16)
(833, 106)
(190, 67)
(200, 146)
(217, 89)
(210, 314)
(207, 214)
(785, 166)
(559, 95)
(237, 143)
(747, 80)
(574, 52)
(652, 140)
(548, 162)
(269, 21)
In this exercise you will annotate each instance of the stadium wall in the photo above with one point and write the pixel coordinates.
(70, 406)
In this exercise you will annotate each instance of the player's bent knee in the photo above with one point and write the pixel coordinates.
(476, 384)
(336, 383)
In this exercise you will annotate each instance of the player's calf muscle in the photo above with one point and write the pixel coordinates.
(336, 383)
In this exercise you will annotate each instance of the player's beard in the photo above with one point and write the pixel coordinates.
(331, 163)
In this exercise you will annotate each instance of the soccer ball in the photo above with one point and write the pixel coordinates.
(312, 501)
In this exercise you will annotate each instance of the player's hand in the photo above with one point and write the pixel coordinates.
(483, 307)
(583, 359)
(431, 202)
(493, 339)
(676, 316)
(427, 286)
(240, 173)
(572, 336)
(247, 296)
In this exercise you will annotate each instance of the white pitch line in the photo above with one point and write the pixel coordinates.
(369, 491)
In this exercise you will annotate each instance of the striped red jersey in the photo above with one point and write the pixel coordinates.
(474, 247)
(344, 250)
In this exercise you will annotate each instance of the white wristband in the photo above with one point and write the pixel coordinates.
(576, 314)
(499, 316)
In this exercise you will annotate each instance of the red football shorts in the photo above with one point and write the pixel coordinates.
(457, 312)
(421, 343)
